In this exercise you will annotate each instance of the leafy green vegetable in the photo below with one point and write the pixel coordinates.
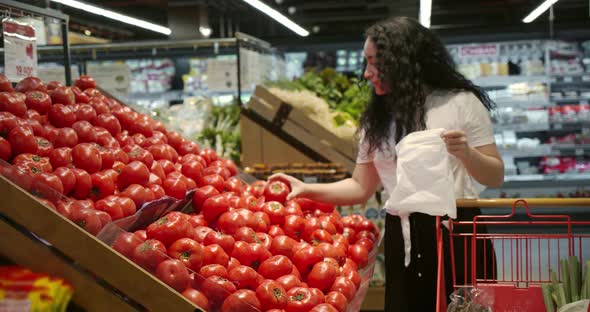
(346, 96)
(223, 132)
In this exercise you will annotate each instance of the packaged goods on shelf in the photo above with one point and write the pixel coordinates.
(24, 290)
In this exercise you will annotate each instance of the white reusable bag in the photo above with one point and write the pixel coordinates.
(425, 180)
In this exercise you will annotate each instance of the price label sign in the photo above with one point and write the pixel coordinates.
(20, 50)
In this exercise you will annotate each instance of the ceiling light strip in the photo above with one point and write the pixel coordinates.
(538, 11)
(116, 16)
(274, 14)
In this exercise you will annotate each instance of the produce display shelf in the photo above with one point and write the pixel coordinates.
(546, 180)
(500, 81)
(538, 127)
(86, 251)
(548, 150)
(293, 127)
(375, 299)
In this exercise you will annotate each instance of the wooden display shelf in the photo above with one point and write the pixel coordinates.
(85, 250)
(307, 140)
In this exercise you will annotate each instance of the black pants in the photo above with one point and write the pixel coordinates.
(414, 288)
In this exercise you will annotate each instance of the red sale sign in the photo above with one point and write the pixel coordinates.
(479, 50)
(20, 50)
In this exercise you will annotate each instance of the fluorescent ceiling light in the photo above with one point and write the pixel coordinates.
(425, 12)
(538, 11)
(278, 17)
(114, 15)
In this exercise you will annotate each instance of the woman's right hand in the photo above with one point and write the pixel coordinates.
(298, 188)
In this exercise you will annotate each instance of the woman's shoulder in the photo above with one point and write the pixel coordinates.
(457, 99)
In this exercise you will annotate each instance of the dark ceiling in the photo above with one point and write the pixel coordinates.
(338, 20)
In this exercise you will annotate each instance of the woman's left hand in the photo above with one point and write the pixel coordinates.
(456, 142)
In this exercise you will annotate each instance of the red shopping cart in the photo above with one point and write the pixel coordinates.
(526, 246)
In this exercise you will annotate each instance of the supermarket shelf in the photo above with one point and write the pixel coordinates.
(571, 100)
(88, 252)
(569, 79)
(542, 180)
(549, 150)
(557, 126)
(524, 103)
(499, 81)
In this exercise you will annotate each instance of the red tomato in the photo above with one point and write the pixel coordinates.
(109, 122)
(214, 254)
(302, 299)
(61, 157)
(197, 298)
(65, 137)
(39, 101)
(192, 169)
(294, 226)
(67, 177)
(83, 184)
(188, 147)
(163, 151)
(352, 274)
(135, 172)
(272, 295)
(103, 185)
(251, 255)
(189, 252)
(229, 222)
(5, 149)
(31, 115)
(142, 126)
(213, 207)
(289, 281)
(7, 122)
(5, 84)
(22, 140)
(30, 84)
(208, 154)
(282, 245)
(79, 96)
(197, 220)
(322, 276)
(276, 191)
(212, 270)
(359, 255)
(85, 82)
(243, 300)
(44, 147)
(225, 241)
(150, 254)
(337, 300)
(246, 234)
(61, 116)
(345, 286)
(233, 263)
(50, 180)
(275, 267)
(275, 211)
(86, 112)
(224, 173)
(293, 208)
(175, 188)
(174, 139)
(41, 163)
(324, 307)
(88, 219)
(214, 180)
(86, 156)
(305, 258)
(169, 228)
(52, 85)
(244, 277)
(63, 95)
(216, 289)
(85, 131)
(142, 155)
(264, 240)
(173, 273)
(126, 243)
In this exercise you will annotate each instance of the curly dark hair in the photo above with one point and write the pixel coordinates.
(412, 60)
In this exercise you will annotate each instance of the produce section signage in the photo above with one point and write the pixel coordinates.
(488, 50)
(20, 49)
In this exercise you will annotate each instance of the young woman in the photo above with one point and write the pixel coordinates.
(415, 87)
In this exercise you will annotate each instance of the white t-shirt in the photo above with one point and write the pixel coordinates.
(448, 110)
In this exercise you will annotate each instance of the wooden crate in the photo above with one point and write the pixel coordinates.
(89, 254)
(298, 125)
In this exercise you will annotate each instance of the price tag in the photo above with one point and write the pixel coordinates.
(20, 50)
(568, 79)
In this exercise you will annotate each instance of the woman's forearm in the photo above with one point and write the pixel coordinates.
(487, 170)
(344, 192)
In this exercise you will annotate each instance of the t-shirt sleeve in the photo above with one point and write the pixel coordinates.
(477, 123)
(364, 156)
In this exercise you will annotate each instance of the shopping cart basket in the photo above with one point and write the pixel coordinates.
(527, 247)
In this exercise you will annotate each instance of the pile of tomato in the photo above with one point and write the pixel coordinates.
(240, 247)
